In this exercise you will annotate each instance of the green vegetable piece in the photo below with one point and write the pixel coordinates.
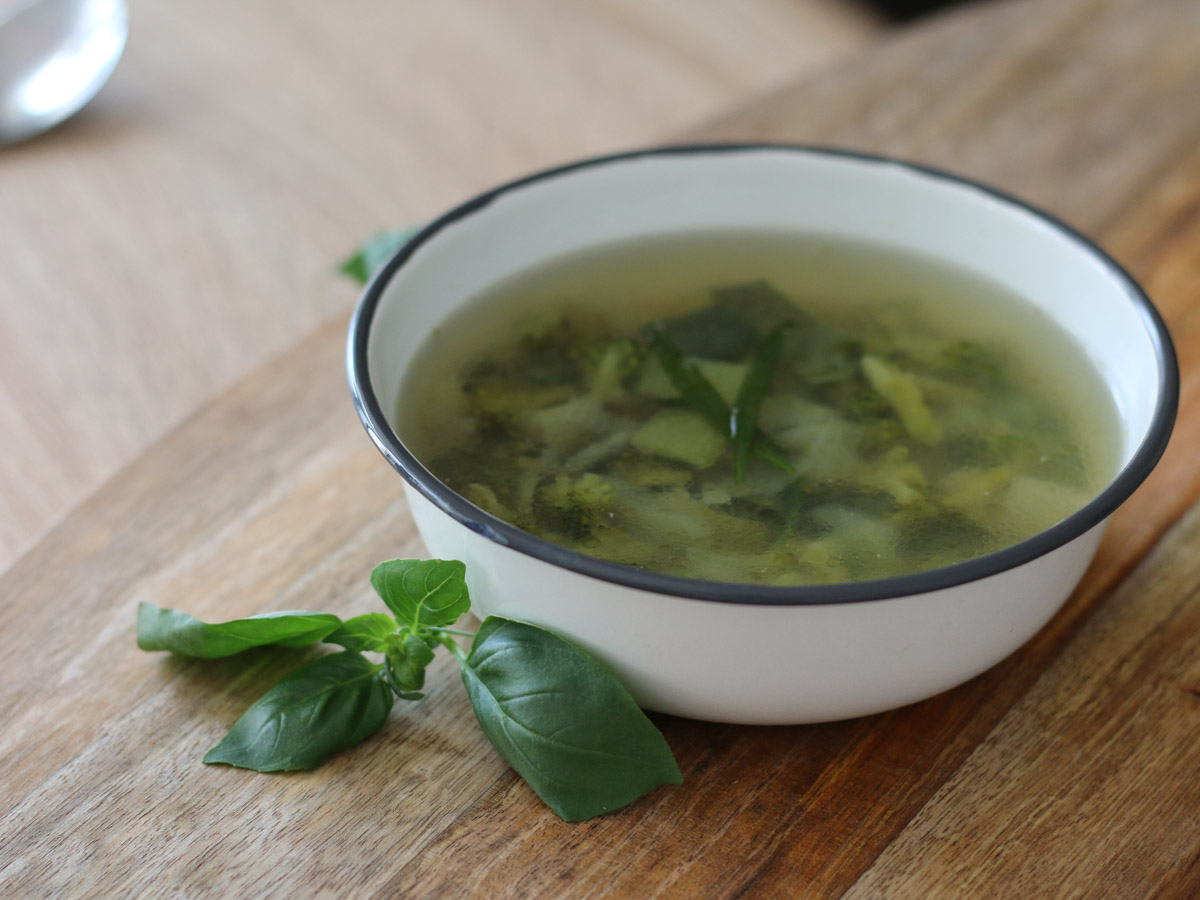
(374, 253)
(972, 363)
(606, 365)
(901, 391)
(725, 377)
(681, 435)
(750, 397)
(365, 632)
(695, 389)
(563, 721)
(326, 706)
(407, 656)
(759, 304)
(821, 354)
(714, 332)
(170, 629)
(704, 398)
(485, 498)
(423, 592)
(576, 506)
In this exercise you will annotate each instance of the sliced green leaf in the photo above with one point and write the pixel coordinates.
(695, 389)
(326, 706)
(423, 592)
(750, 398)
(374, 253)
(563, 721)
(712, 332)
(365, 632)
(760, 304)
(170, 629)
(699, 394)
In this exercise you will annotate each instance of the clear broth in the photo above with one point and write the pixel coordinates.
(871, 495)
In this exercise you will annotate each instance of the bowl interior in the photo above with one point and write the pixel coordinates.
(838, 195)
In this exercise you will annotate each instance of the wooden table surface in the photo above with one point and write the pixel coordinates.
(1070, 769)
(184, 228)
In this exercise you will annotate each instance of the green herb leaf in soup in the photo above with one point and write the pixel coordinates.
(761, 408)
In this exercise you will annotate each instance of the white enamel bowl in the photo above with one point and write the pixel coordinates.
(753, 654)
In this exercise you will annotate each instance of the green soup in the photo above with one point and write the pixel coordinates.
(763, 408)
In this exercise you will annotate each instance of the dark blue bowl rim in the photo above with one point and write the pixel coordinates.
(1131, 476)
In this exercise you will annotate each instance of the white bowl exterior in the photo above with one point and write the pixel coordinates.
(767, 665)
(755, 663)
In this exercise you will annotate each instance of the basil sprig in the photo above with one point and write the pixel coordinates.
(557, 715)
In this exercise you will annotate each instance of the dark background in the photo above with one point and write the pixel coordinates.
(904, 10)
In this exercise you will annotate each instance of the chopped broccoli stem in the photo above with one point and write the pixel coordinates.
(900, 389)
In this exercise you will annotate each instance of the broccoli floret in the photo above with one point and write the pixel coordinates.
(969, 362)
(576, 506)
(605, 365)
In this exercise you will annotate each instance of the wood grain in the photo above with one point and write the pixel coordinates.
(1067, 770)
(184, 228)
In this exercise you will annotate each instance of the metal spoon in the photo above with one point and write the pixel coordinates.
(54, 56)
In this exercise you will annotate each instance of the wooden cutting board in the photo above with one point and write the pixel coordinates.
(1069, 769)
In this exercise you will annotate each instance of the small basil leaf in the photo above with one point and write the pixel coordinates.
(563, 721)
(423, 592)
(408, 655)
(170, 629)
(374, 253)
(326, 706)
(365, 632)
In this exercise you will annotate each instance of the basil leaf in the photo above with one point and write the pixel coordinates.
(423, 592)
(326, 706)
(407, 656)
(170, 629)
(563, 721)
(753, 390)
(374, 253)
(365, 632)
